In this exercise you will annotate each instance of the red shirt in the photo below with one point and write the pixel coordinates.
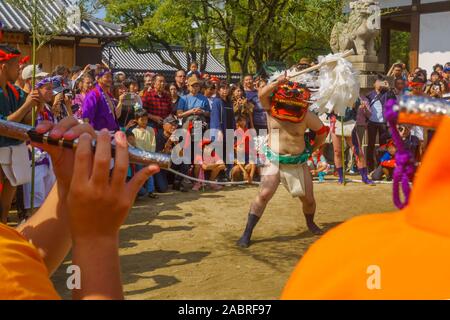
(157, 105)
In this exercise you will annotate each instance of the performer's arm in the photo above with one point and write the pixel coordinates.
(315, 124)
(48, 229)
(264, 94)
(20, 114)
(96, 213)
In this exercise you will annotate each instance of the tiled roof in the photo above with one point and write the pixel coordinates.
(128, 59)
(14, 20)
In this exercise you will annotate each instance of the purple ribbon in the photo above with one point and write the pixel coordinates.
(404, 159)
(43, 82)
(103, 72)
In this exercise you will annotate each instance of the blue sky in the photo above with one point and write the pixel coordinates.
(101, 13)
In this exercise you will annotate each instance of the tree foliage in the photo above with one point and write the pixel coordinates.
(155, 24)
(399, 50)
(248, 32)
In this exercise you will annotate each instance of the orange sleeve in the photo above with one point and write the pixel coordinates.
(23, 274)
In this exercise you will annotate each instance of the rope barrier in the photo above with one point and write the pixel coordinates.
(236, 183)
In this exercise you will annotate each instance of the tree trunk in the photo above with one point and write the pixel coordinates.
(226, 58)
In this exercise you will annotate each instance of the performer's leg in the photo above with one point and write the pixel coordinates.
(372, 135)
(236, 174)
(309, 203)
(337, 148)
(6, 199)
(355, 143)
(216, 170)
(269, 185)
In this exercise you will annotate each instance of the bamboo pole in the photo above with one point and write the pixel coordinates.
(343, 149)
(33, 112)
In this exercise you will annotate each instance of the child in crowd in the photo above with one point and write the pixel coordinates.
(131, 140)
(145, 140)
(241, 106)
(193, 71)
(165, 142)
(318, 165)
(387, 163)
(211, 164)
(243, 170)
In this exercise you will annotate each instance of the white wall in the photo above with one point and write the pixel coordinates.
(386, 4)
(394, 3)
(430, 1)
(434, 40)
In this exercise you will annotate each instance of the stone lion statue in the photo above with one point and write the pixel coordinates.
(358, 33)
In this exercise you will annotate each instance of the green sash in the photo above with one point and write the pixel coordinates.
(289, 159)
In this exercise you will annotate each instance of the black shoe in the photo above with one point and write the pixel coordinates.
(312, 226)
(243, 242)
(314, 229)
(152, 195)
(22, 216)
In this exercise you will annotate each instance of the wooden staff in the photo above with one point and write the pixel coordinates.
(344, 54)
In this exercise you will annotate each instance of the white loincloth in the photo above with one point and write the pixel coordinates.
(44, 181)
(16, 164)
(293, 179)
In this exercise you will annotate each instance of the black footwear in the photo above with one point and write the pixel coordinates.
(244, 241)
(176, 186)
(315, 230)
(152, 195)
(22, 216)
(312, 226)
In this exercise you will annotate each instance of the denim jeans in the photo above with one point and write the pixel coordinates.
(149, 185)
(374, 129)
(161, 183)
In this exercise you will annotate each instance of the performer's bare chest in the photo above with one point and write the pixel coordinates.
(286, 137)
(286, 128)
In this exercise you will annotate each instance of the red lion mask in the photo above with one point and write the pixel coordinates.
(290, 102)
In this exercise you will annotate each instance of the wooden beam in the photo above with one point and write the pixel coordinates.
(434, 7)
(396, 25)
(415, 29)
(421, 8)
(385, 45)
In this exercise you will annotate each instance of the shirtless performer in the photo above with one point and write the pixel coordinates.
(287, 155)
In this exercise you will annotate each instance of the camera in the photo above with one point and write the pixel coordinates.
(68, 93)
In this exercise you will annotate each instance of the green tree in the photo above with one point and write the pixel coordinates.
(156, 24)
(399, 50)
(253, 32)
(248, 32)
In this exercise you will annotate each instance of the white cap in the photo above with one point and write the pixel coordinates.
(27, 72)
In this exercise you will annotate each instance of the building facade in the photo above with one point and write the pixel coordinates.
(80, 43)
(428, 21)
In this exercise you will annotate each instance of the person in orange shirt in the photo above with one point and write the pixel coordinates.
(82, 212)
(400, 255)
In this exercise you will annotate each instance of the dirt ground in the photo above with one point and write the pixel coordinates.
(182, 245)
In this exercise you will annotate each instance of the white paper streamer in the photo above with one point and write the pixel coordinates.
(339, 85)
